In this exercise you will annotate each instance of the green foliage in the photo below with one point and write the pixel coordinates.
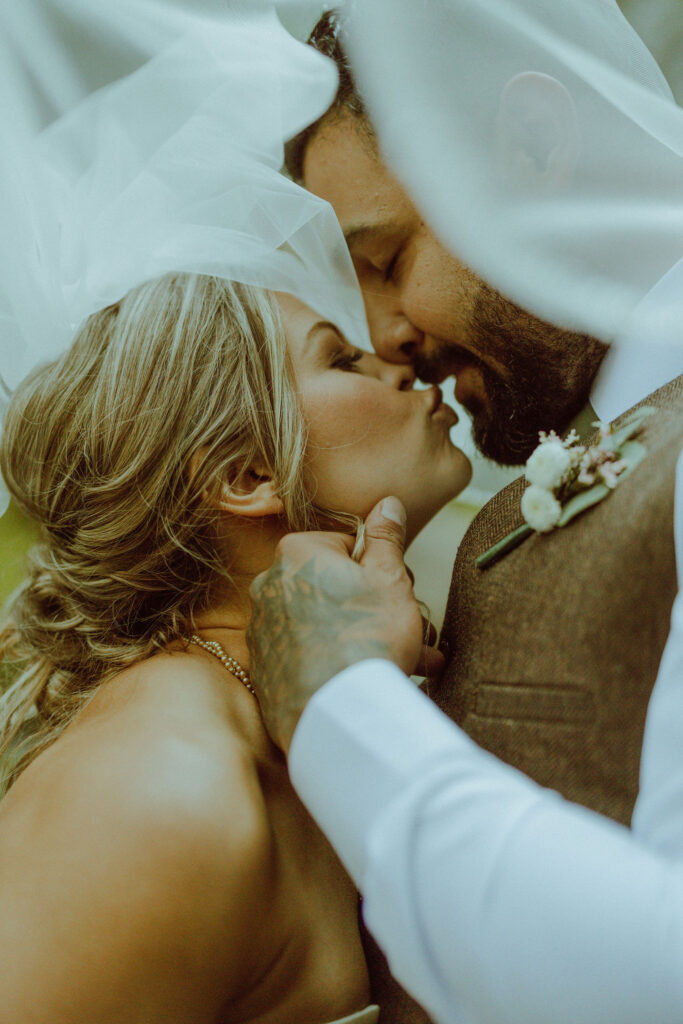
(17, 534)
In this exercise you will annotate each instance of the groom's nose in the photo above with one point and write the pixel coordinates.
(393, 336)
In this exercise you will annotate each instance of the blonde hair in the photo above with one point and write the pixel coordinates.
(96, 447)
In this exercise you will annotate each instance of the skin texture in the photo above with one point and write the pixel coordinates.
(515, 374)
(156, 866)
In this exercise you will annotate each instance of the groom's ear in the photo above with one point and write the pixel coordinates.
(537, 133)
(252, 493)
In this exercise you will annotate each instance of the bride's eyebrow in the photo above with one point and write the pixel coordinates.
(324, 326)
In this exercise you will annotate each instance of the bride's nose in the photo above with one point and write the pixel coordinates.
(400, 375)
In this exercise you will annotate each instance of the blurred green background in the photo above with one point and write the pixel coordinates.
(17, 534)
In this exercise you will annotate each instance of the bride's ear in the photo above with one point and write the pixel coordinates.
(253, 494)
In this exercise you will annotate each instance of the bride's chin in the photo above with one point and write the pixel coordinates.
(454, 483)
(462, 474)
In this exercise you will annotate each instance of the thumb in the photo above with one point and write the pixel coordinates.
(385, 532)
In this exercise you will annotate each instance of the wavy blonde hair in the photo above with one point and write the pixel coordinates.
(96, 447)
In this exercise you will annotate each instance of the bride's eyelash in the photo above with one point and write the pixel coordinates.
(346, 360)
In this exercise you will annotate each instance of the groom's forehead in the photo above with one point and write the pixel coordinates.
(342, 165)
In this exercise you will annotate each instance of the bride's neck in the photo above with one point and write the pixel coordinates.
(249, 548)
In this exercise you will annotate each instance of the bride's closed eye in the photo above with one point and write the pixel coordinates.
(346, 360)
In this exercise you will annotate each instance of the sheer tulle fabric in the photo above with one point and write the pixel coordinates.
(541, 142)
(174, 167)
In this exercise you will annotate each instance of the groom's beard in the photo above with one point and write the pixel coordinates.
(548, 381)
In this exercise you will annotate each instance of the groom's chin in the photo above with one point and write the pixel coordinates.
(500, 448)
(508, 438)
(510, 443)
(506, 426)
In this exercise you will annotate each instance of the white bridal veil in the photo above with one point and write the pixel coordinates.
(173, 167)
(541, 141)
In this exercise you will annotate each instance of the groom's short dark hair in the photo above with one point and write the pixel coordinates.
(326, 38)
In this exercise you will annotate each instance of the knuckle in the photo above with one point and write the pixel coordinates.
(294, 546)
(400, 577)
(386, 530)
(286, 544)
(257, 585)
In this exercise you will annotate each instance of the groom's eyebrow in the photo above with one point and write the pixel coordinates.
(357, 234)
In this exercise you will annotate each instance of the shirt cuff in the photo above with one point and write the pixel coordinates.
(360, 740)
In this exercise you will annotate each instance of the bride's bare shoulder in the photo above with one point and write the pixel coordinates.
(165, 737)
(159, 751)
(145, 822)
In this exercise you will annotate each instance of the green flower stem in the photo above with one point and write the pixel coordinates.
(503, 546)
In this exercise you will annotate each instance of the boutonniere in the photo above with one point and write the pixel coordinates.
(566, 477)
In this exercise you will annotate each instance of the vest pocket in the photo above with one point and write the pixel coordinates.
(533, 702)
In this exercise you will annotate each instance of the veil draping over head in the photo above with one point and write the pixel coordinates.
(174, 167)
(541, 142)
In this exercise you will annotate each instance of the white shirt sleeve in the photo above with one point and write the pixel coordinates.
(496, 901)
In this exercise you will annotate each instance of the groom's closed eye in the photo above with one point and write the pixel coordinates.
(376, 248)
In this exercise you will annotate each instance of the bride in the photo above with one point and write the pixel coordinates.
(155, 863)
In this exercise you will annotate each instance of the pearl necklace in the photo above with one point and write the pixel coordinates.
(218, 651)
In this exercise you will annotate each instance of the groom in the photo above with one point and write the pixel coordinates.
(552, 652)
(514, 373)
(589, 605)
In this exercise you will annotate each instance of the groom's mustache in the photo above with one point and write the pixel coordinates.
(447, 362)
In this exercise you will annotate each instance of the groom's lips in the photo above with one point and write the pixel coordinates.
(436, 398)
(470, 390)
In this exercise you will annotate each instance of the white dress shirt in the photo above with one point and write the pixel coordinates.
(497, 901)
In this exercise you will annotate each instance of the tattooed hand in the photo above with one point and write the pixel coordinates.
(315, 612)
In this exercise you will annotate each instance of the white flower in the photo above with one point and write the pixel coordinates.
(610, 472)
(547, 464)
(540, 509)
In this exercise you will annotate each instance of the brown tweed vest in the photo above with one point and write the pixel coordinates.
(553, 651)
